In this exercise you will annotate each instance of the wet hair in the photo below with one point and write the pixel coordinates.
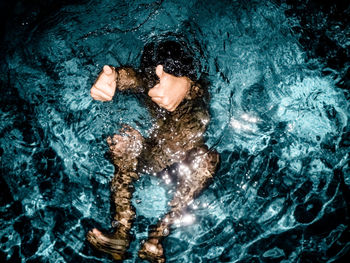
(175, 58)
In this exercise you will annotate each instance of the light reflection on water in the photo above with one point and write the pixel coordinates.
(277, 121)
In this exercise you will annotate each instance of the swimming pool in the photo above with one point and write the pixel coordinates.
(279, 74)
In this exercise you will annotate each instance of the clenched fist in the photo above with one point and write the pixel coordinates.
(105, 85)
(170, 90)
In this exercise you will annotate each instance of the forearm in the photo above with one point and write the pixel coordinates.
(129, 80)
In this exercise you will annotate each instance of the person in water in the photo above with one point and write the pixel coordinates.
(174, 151)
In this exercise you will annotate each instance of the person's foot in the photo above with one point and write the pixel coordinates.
(110, 244)
(152, 251)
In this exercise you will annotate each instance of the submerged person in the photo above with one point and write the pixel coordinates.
(174, 151)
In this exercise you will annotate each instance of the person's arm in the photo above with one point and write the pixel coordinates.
(111, 78)
(168, 93)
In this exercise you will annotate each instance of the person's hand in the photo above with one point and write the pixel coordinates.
(170, 91)
(105, 85)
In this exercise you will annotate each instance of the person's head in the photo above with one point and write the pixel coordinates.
(176, 59)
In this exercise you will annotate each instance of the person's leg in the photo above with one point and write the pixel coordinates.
(125, 148)
(193, 174)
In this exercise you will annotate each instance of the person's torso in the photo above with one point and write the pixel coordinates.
(173, 135)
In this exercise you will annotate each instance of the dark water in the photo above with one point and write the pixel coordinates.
(279, 73)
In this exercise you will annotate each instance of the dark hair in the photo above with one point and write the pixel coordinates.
(175, 58)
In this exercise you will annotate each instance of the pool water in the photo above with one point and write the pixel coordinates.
(279, 74)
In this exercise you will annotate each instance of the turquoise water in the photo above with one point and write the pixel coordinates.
(279, 119)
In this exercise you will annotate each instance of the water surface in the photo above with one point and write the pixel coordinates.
(279, 119)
